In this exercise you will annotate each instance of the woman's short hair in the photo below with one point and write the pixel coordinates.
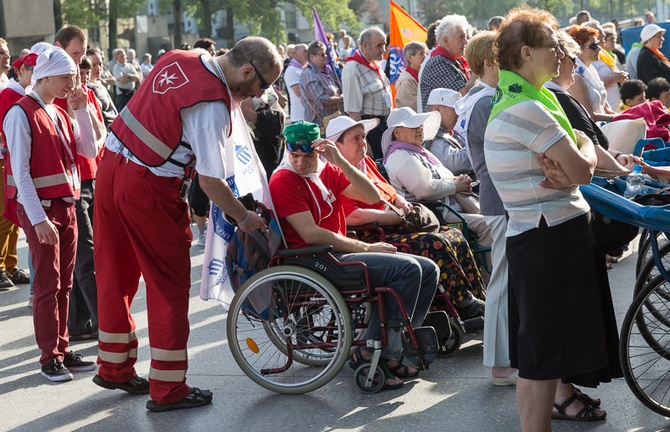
(567, 44)
(657, 86)
(85, 63)
(480, 49)
(523, 26)
(448, 25)
(430, 35)
(631, 88)
(413, 48)
(582, 34)
(315, 47)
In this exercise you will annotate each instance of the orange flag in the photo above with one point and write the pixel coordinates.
(404, 29)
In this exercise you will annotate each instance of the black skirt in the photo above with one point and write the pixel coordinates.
(561, 319)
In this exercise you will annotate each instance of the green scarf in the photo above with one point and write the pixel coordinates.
(513, 89)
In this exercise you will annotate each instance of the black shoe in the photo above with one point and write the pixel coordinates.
(75, 363)
(474, 309)
(5, 281)
(136, 386)
(19, 277)
(55, 371)
(195, 398)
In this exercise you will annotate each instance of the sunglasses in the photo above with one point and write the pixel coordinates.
(594, 46)
(264, 84)
(305, 148)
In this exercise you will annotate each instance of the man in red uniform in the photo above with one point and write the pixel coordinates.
(83, 321)
(142, 224)
(42, 175)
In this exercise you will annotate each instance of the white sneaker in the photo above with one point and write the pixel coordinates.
(202, 238)
(30, 301)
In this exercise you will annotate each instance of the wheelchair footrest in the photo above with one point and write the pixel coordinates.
(439, 320)
(473, 324)
(427, 349)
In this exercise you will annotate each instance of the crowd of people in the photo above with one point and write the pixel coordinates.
(339, 150)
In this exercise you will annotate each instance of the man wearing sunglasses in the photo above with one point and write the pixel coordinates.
(142, 222)
(306, 191)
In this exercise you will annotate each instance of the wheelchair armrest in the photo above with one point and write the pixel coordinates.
(309, 250)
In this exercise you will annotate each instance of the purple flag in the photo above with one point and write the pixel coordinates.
(320, 35)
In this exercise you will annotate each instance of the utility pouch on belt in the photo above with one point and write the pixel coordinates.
(185, 187)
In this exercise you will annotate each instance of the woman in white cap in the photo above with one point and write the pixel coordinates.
(651, 63)
(459, 274)
(588, 88)
(417, 174)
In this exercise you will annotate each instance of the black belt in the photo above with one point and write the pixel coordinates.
(368, 117)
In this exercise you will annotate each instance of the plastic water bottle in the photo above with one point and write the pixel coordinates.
(634, 182)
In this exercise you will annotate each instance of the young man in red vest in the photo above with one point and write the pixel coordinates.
(83, 320)
(142, 224)
(42, 175)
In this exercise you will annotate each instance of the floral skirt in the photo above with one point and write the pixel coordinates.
(459, 274)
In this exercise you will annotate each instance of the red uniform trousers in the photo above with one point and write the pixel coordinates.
(52, 280)
(142, 228)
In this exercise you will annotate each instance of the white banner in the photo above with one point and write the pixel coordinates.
(245, 175)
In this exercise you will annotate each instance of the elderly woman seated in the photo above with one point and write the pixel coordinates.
(417, 174)
(448, 248)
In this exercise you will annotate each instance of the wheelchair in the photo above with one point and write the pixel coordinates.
(644, 349)
(292, 326)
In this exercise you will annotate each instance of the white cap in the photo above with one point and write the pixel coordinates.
(649, 31)
(341, 124)
(444, 96)
(54, 61)
(406, 117)
(39, 47)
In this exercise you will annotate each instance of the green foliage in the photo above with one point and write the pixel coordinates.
(332, 15)
(82, 13)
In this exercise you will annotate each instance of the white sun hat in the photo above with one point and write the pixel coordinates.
(406, 117)
(444, 97)
(343, 123)
(649, 31)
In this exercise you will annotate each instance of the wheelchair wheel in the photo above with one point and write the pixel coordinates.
(645, 346)
(645, 255)
(285, 321)
(649, 271)
(451, 344)
(361, 375)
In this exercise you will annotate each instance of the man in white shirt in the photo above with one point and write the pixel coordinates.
(292, 80)
(5, 58)
(127, 80)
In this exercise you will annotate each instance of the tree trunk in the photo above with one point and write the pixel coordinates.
(113, 19)
(207, 18)
(176, 13)
(58, 15)
(230, 27)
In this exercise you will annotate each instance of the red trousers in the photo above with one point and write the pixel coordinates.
(142, 228)
(52, 281)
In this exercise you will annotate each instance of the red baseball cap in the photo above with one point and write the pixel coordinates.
(29, 59)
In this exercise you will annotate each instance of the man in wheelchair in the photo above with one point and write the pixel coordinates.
(306, 190)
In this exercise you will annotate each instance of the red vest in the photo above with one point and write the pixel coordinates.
(150, 126)
(50, 163)
(87, 167)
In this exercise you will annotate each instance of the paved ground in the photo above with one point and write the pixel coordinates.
(455, 395)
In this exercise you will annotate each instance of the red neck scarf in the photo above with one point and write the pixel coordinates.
(414, 73)
(461, 62)
(358, 57)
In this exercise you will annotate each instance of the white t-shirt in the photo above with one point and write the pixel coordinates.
(291, 78)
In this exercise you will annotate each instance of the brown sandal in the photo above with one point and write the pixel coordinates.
(585, 399)
(587, 414)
